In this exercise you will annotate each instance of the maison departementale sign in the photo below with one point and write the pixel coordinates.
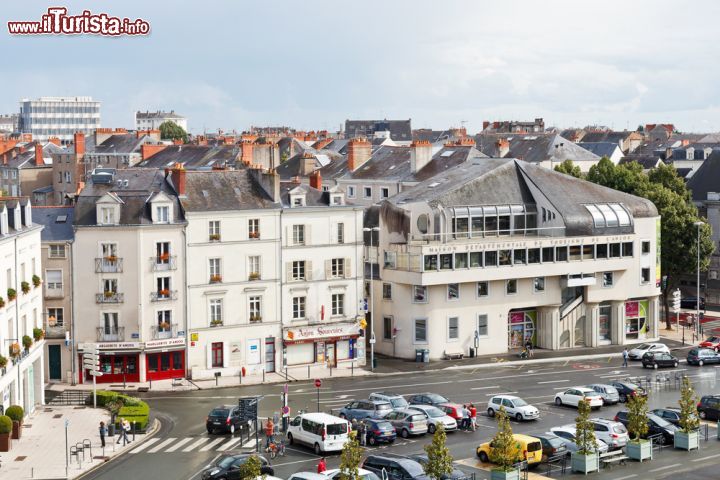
(341, 331)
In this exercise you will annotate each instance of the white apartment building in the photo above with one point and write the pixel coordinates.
(130, 283)
(21, 379)
(152, 120)
(58, 117)
(496, 252)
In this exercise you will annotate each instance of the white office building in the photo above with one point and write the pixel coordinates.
(59, 117)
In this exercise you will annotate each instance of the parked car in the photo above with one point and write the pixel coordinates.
(515, 407)
(320, 431)
(669, 414)
(659, 359)
(709, 407)
(627, 389)
(396, 468)
(365, 408)
(638, 352)
(551, 445)
(656, 426)
(379, 431)
(711, 342)
(436, 417)
(613, 433)
(608, 393)
(225, 418)
(227, 467)
(701, 356)
(567, 435)
(456, 473)
(398, 402)
(453, 410)
(336, 474)
(530, 448)
(408, 422)
(690, 303)
(573, 396)
(427, 399)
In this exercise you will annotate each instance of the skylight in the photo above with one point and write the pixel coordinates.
(609, 215)
(61, 219)
(447, 153)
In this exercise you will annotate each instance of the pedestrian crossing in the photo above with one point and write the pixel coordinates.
(192, 444)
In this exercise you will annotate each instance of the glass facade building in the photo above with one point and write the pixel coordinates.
(59, 117)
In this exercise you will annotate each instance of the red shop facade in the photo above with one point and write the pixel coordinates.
(165, 359)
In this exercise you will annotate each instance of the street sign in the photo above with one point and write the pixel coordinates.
(95, 373)
(286, 411)
(676, 301)
(318, 383)
(91, 364)
(285, 389)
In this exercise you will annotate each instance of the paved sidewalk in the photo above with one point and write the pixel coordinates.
(40, 453)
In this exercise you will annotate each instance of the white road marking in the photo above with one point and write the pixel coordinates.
(211, 444)
(553, 381)
(162, 445)
(195, 444)
(626, 477)
(666, 467)
(229, 444)
(485, 388)
(706, 458)
(145, 445)
(614, 376)
(499, 393)
(179, 444)
(560, 388)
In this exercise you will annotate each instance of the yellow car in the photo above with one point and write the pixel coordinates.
(529, 448)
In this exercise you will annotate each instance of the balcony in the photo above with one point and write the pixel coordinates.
(116, 334)
(163, 333)
(110, 264)
(163, 295)
(109, 297)
(163, 263)
(53, 329)
(53, 292)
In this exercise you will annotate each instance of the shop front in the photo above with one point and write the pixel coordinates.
(605, 330)
(165, 359)
(119, 362)
(636, 319)
(324, 344)
(521, 327)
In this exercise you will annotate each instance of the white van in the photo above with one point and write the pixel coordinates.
(321, 431)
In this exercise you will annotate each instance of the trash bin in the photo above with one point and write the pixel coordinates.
(418, 355)
(111, 429)
(426, 355)
(374, 362)
(472, 352)
(718, 430)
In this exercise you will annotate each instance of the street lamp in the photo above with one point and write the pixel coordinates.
(372, 304)
(698, 224)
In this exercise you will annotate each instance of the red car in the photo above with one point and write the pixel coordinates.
(711, 342)
(453, 410)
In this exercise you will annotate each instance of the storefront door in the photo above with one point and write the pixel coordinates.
(521, 328)
(330, 355)
(54, 362)
(636, 317)
(165, 365)
(117, 368)
(270, 354)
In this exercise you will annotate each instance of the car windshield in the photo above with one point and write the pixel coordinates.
(399, 402)
(660, 422)
(435, 398)
(694, 351)
(219, 412)
(336, 428)
(631, 386)
(643, 346)
(519, 402)
(712, 339)
(413, 468)
(619, 428)
(225, 462)
(555, 442)
(383, 406)
(434, 412)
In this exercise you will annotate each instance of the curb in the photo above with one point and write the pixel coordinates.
(155, 428)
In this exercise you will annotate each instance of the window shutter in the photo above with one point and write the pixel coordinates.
(308, 241)
(288, 271)
(208, 354)
(348, 270)
(308, 270)
(226, 354)
(328, 269)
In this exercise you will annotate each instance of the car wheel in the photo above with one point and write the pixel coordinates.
(484, 457)
(703, 415)
(391, 441)
(318, 451)
(491, 412)
(623, 398)
(644, 366)
(558, 401)
(700, 363)
(431, 428)
(405, 433)
(518, 417)
(210, 431)
(232, 429)
(661, 440)
(372, 441)
(655, 366)
(290, 438)
(675, 364)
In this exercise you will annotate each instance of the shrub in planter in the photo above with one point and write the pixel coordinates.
(16, 414)
(638, 448)
(12, 294)
(24, 286)
(139, 414)
(27, 342)
(36, 281)
(38, 334)
(505, 451)
(585, 459)
(5, 430)
(688, 437)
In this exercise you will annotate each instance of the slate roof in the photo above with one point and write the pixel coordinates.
(705, 178)
(647, 161)
(222, 190)
(193, 157)
(313, 197)
(294, 166)
(433, 136)
(535, 147)
(601, 149)
(124, 143)
(400, 130)
(55, 228)
(606, 136)
(27, 158)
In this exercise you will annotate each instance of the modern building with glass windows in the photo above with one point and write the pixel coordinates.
(497, 252)
(59, 117)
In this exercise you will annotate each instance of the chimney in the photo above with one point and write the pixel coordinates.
(268, 181)
(420, 155)
(502, 147)
(308, 163)
(466, 142)
(178, 178)
(316, 180)
(55, 141)
(39, 155)
(148, 150)
(246, 150)
(79, 143)
(359, 151)
(486, 124)
(320, 144)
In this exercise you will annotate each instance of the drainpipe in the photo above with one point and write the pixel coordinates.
(183, 231)
(283, 351)
(73, 345)
(17, 326)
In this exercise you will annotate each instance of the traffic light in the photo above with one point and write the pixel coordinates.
(676, 301)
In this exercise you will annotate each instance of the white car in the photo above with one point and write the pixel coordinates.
(638, 352)
(436, 417)
(574, 395)
(515, 407)
(319, 431)
(363, 474)
(567, 435)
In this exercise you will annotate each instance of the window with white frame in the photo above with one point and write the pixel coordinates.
(53, 279)
(298, 234)
(298, 270)
(645, 275)
(254, 228)
(338, 304)
(216, 311)
(56, 316)
(387, 328)
(419, 294)
(340, 233)
(163, 287)
(162, 214)
(298, 311)
(538, 284)
(367, 192)
(164, 319)
(453, 328)
(387, 291)
(384, 192)
(482, 325)
(511, 286)
(337, 267)
(110, 285)
(254, 267)
(56, 251)
(255, 308)
(453, 291)
(214, 267)
(214, 229)
(107, 215)
(351, 191)
(110, 323)
(420, 330)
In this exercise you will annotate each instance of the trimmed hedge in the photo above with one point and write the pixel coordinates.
(133, 409)
(103, 397)
(15, 412)
(5, 424)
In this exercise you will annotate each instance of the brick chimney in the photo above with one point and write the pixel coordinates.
(502, 147)
(177, 174)
(420, 155)
(246, 150)
(320, 144)
(55, 141)
(148, 150)
(39, 155)
(79, 143)
(316, 180)
(359, 151)
(465, 142)
(269, 182)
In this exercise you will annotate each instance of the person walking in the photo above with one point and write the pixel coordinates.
(625, 357)
(363, 433)
(473, 417)
(103, 432)
(269, 431)
(321, 465)
(465, 418)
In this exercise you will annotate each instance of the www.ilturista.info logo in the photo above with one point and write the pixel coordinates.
(58, 22)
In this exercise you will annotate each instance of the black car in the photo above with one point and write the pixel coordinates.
(456, 474)
(664, 430)
(427, 399)
(626, 390)
(551, 445)
(396, 468)
(690, 303)
(379, 431)
(228, 467)
(659, 359)
(670, 414)
(225, 418)
(701, 356)
(709, 407)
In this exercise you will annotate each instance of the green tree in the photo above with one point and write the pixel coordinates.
(251, 469)
(637, 416)
(640, 128)
(439, 459)
(172, 131)
(584, 430)
(689, 421)
(504, 451)
(350, 458)
(569, 168)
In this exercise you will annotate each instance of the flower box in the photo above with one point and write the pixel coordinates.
(38, 334)
(14, 350)
(641, 450)
(501, 475)
(25, 287)
(214, 237)
(109, 294)
(215, 278)
(585, 463)
(215, 323)
(111, 259)
(687, 441)
(27, 342)
(36, 281)
(12, 294)
(254, 276)
(164, 292)
(4, 442)
(254, 235)
(164, 257)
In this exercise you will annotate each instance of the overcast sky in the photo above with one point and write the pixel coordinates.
(311, 64)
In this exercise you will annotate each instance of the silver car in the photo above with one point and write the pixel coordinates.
(567, 435)
(608, 393)
(436, 417)
(408, 422)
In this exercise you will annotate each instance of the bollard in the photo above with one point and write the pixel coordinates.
(240, 376)
(352, 369)
(308, 371)
(151, 384)
(133, 426)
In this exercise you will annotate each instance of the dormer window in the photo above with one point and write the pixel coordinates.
(336, 199)
(162, 214)
(161, 208)
(297, 200)
(107, 216)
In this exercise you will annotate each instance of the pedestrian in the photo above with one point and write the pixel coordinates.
(126, 430)
(529, 347)
(103, 432)
(625, 357)
(465, 418)
(321, 465)
(269, 430)
(363, 433)
(473, 417)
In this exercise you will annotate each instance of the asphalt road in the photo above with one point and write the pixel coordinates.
(182, 447)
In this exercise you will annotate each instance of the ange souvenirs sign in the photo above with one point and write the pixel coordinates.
(320, 332)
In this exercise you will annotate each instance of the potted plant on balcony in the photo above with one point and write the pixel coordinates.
(254, 276)
(12, 294)
(638, 448)
(505, 451)
(5, 429)
(164, 326)
(164, 257)
(2, 302)
(215, 323)
(111, 258)
(27, 342)
(36, 281)
(109, 293)
(214, 237)
(255, 317)
(14, 350)
(254, 234)
(38, 334)
(3, 361)
(688, 437)
(585, 459)
(16, 414)
(24, 286)
(215, 278)
(164, 292)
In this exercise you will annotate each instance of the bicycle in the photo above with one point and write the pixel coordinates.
(275, 449)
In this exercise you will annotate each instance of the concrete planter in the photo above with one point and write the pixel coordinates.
(500, 475)
(4, 442)
(585, 463)
(687, 441)
(641, 450)
(17, 430)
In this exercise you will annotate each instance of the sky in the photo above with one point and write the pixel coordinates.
(231, 64)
